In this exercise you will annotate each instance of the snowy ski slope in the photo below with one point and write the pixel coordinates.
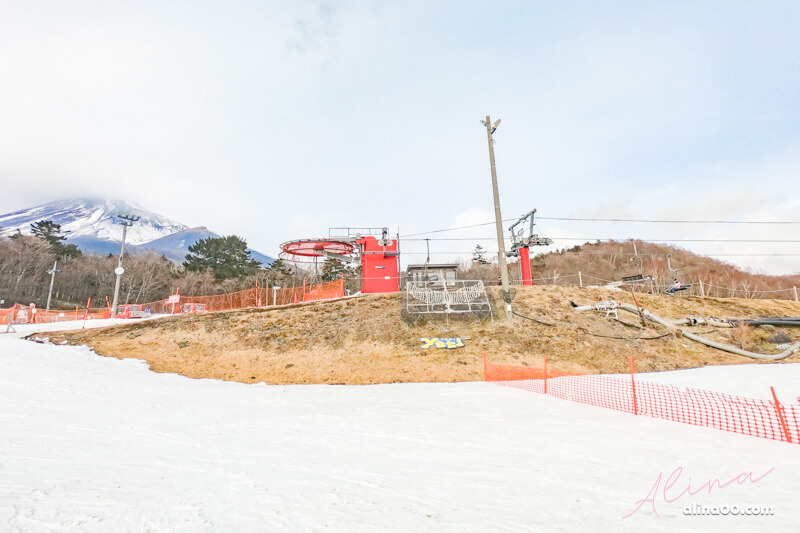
(89, 443)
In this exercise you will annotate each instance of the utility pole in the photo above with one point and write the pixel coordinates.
(501, 249)
(126, 220)
(52, 280)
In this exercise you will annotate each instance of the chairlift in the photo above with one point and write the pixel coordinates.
(676, 287)
(633, 273)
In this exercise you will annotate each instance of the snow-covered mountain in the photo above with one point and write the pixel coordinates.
(94, 219)
(91, 225)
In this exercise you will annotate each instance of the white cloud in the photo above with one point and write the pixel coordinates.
(278, 121)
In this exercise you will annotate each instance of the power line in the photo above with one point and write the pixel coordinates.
(452, 229)
(610, 253)
(618, 240)
(654, 221)
(673, 221)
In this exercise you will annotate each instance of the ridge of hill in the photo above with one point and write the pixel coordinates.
(609, 261)
(363, 339)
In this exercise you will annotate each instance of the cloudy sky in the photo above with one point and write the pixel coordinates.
(278, 120)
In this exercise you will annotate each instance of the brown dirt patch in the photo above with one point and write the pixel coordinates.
(363, 340)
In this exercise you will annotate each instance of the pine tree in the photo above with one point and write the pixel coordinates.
(51, 232)
(332, 269)
(478, 256)
(277, 273)
(279, 268)
(226, 257)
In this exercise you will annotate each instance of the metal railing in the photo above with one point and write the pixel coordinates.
(446, 298)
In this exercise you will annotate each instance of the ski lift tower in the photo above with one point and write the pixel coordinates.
(377, 253)
(520, 245)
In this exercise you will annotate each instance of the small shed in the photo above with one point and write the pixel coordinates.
(432, 272)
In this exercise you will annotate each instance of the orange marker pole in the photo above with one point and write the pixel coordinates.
(88, 303)
(633, 387)
(779, 409)
(545, 374)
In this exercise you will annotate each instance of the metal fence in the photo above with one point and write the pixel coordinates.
(446, 299)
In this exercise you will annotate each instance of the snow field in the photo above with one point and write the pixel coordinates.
(89, 443)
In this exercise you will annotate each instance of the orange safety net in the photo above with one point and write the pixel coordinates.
(255, 297)
(746, 416)
(494, 372)
(6, 315)
(266, 296)
(25, 314)
(325, 291)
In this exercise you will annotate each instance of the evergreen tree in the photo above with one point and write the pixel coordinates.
(51, 232)
(332, 269)
(226, 257)
(279, 268)
(276, 274)
(478, 256)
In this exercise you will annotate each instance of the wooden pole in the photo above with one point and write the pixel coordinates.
(501, 250)
(702, 290)
(795, 295)
(52, 280)
(580, 278)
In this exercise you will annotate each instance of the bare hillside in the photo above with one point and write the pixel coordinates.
(363, 340)
(609, 261)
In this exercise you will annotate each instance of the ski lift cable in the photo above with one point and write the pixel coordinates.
(653, 221)
(468, 252)
(657, 221)
(609, 239)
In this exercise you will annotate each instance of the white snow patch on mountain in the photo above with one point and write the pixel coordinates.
(93, 218)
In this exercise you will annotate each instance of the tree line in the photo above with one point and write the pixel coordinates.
(212, 266)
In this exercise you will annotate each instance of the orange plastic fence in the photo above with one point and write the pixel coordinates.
(255, 297)
(747, 416)
(5, 314)
(25, 314)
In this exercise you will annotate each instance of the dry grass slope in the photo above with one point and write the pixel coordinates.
(363, 340)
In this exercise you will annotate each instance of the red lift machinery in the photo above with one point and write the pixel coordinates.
(371, 247)
(521, 243)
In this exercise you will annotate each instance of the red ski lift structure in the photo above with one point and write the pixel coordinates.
(377, 253)
(521, 243)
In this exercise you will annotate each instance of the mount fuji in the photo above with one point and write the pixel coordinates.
(90, 224)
